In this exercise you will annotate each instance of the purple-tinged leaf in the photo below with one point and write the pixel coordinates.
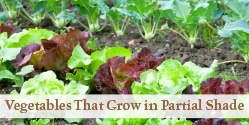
(26, 53)
(232, 87)
(245, 84)
(9, 28)
(188, 90)
(211, 121)
(120, 75)
(53, 54)
(211, 86)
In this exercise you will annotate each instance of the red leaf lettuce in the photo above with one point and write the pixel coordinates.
(52, 54)
(116, 75)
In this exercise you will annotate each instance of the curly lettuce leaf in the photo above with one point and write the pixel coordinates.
(52, 54)
(86, 66)
(9, 28)
(29, 36)
(46, 83)
(214, 86)
(116, 75)
(172, 78)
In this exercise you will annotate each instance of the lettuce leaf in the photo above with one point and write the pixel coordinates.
(52, 54)
(117, 75)
(46, 83)
(9, 28)
(172, 78)
(86, 66)
(29, 36)
(214, 86)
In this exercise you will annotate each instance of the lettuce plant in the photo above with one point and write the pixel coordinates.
(46, 83)
(52, 54)
(214, 86)
(11, 39)
(85, 66)
(117, 75)
(172, 78)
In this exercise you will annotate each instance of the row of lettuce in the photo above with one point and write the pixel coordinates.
(213, 20)
(41, 62)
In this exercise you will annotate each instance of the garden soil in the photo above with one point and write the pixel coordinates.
(169, 45)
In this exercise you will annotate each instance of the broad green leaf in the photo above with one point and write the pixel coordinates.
(182, 9)
(9, 53)
(203, 13)
(73, 120)
(79, 58)
(218, 13)
(6, 74)
(239, 8)
(25, 70)
(241, 25)
(108, 52)
(3, 17)
(3, 39)
(28, 36)
(118, 51)
(143, 7)
(166, 5)
(67, 16)
(74, 88)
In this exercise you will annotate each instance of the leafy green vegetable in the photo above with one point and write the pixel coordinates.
(12, 7)
(56, 11)
(17, 78)
(189, 20)
(117, 75)
(52, 54)
(37, 13)
(25, 37)
(8, 53)
(86, 66)
(25, 70)
(239, 8)
(143, 121)
(40, 122)
(172, 78)
(119, 16)
(146, 15)
(237, 27)
(92, 9)
(46, 83)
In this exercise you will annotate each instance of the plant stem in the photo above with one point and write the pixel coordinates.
(232, 61)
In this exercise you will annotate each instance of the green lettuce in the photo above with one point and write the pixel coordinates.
(46, 83)
(172, 78)
(25, 37)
